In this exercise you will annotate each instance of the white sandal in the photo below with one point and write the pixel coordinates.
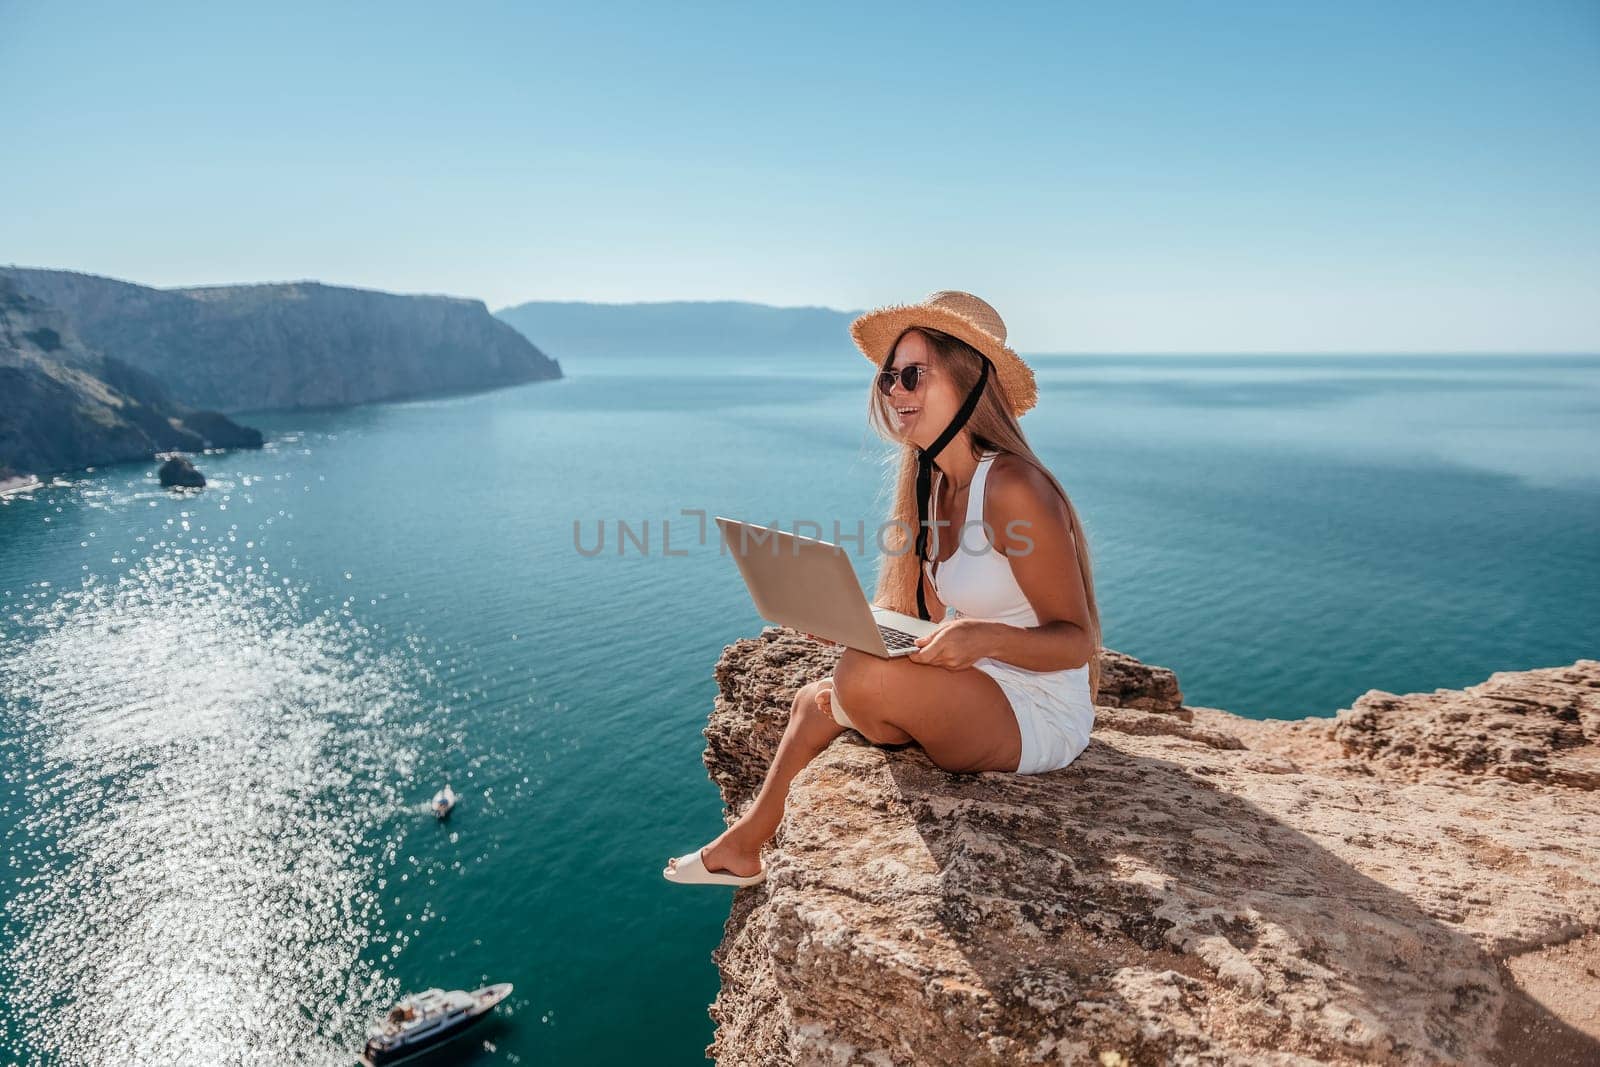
(690, 869)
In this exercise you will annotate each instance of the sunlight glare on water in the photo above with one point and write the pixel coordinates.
(195, 844)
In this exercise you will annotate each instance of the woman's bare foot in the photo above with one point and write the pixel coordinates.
(737, 850)
(729, 852)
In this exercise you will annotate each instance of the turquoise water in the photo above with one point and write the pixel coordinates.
(221, 716)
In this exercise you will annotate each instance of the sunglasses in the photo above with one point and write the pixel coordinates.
(910, 377)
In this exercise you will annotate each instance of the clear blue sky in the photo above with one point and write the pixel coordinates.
(1141, 177)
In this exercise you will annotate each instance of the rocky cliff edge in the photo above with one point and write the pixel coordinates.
(1415, 880)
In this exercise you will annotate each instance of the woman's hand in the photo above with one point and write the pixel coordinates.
(955, 645)
(824, 640)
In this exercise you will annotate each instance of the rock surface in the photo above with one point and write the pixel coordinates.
(1414, 880)
(291, 345)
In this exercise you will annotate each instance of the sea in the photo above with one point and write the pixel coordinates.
(222, 715)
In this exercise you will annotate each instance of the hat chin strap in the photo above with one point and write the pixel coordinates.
(925, 458)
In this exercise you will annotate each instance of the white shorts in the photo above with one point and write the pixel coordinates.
(1053, 709)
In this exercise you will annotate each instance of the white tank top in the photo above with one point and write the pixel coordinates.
(977, 583)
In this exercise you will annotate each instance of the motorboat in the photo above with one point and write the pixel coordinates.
(444, 800)
(420, 1022)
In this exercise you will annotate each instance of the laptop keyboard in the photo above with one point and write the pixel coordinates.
(896, 638)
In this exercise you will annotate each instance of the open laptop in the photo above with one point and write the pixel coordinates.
(811, 586)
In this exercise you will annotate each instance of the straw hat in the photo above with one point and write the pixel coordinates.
(961, 315)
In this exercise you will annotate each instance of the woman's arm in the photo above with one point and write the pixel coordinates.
(1032, 527)
(1029, 523)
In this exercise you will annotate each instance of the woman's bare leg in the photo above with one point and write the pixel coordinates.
(811, 729)
(961, 718)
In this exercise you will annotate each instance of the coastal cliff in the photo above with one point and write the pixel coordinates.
(65, 406)
(291, 345)
(1414, 880)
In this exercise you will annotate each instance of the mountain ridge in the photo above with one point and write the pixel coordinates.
(289, 345)
(65, 406)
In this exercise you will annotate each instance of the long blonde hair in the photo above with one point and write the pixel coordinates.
(992, 428)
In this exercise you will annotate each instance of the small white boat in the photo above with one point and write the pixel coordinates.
(423, 1021)
(444, 800)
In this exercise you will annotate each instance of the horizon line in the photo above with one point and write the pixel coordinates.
(1364, 352)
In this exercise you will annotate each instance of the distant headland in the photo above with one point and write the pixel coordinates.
(97, 370)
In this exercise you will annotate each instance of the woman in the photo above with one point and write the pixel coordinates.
(1007, 682)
